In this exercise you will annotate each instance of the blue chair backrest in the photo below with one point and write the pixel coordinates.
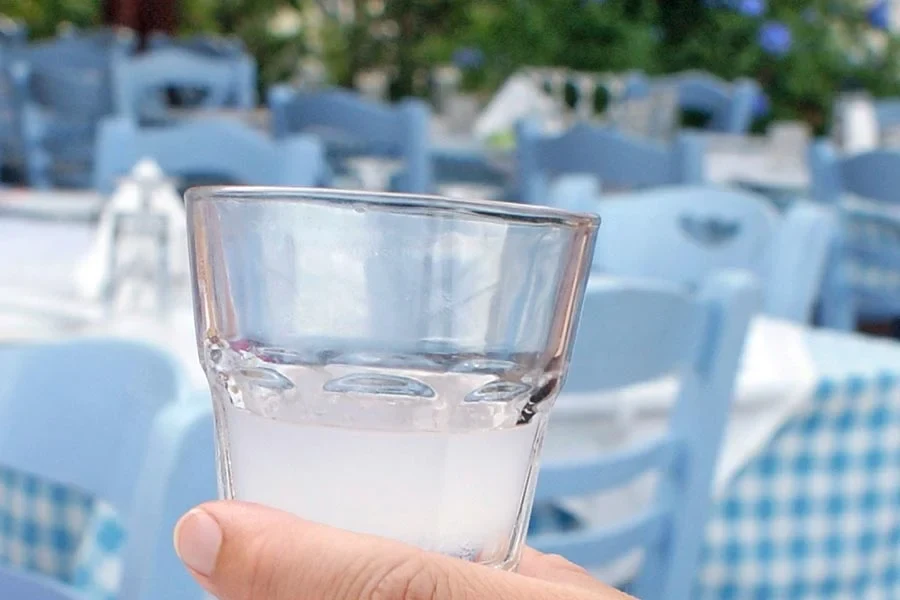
(729, 105)
(873, 175)
(870, 235)
(71, 75)
(615, 159)
(209, 45)
(112, 418)
(68, 91)
(179, 474)
(117, 35)
(228, 81)
(208, 147)
(685, 234)
(13, 91)
(352, 125)
(636, 332)
(73, 94)
(82, 412)
(466, 168)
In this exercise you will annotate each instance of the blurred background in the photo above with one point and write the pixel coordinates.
(720, 141)
(803, 53)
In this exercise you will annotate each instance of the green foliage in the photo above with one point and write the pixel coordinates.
(251, 20)
(610, 36)
(832, 40)
(832, 44)
(44, 16)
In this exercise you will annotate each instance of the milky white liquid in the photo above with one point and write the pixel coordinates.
(458, 493)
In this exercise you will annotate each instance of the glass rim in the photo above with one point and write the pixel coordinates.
(529, 213)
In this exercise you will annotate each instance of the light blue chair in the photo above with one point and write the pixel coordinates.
(729, 104)
(470, 168)
(863, 278)
(636, 332)
(69, 91)
(208, 150)
(685, 234)
(13, 90)
(209, 45)
(141, 82)
(112, 418)
(617, 160)
(351, 125)
(80, 59)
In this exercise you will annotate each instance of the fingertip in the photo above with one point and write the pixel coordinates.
(198, 538)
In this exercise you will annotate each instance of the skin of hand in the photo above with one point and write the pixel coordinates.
(241, 551)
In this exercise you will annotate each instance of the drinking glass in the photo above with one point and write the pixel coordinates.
(386, 363)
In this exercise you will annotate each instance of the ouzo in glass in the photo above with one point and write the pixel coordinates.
(386, 363)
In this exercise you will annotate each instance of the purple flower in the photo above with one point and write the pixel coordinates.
(879, 15)
(761, 105)
(751, 8)
(775, 38)
(468, 58)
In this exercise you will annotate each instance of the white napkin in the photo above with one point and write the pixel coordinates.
(520, 97)
(93, 272)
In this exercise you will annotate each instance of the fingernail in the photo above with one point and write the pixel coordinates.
(198, 538)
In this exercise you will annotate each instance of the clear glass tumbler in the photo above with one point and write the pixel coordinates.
(386, 363)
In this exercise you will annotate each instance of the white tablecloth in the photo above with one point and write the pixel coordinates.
(763, 169)
(41, 254)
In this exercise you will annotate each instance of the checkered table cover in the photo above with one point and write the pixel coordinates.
(816, 515)
(60, 532)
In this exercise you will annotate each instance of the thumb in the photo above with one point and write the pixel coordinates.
(241, 551)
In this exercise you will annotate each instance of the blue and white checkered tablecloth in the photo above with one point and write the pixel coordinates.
(62, 533)
(817, 513)
(814, 514)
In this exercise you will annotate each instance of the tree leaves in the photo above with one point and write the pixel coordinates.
(832, 42)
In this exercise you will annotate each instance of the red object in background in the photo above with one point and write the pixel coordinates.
(143, 16)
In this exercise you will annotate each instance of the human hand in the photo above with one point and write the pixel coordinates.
(240, 551)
